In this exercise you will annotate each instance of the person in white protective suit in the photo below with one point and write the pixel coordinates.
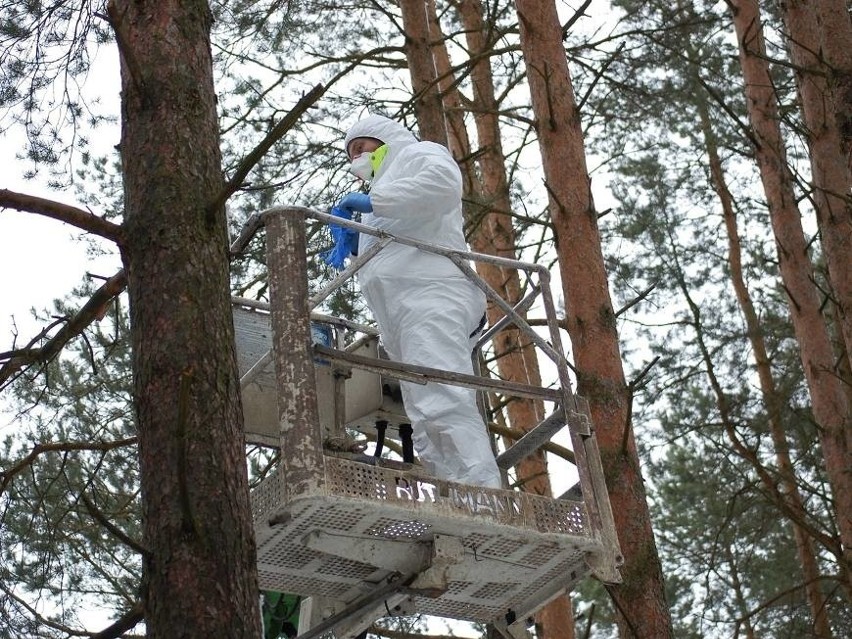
(426, 309)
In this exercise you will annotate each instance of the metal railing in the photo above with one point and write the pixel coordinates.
(291, 308)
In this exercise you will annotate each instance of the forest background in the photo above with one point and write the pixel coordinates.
(722, 134)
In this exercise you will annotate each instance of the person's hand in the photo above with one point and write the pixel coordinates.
(356, 202)
(340, 233)
(336, 256)
(337, 211)
(345, 240)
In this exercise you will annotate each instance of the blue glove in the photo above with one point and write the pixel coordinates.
(338, 211)
(345, 241)
(336, 256)
(356, 202)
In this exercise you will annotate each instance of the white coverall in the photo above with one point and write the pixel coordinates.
(424, 305)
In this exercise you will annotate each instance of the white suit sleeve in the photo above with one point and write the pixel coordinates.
(427, 182)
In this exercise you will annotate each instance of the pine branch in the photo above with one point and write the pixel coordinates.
(6, 476)
(579, 13)
(124, 623)
(278, 132)
(84, 220)
(636, 300)
(117, 532)
(11, 596)
(92, 310)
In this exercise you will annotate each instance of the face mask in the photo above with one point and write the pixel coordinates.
(366, 165)
(362, 167)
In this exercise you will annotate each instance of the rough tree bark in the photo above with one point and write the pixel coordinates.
(835, 30)
(829, 401)
(200, 567)
(640, 601)
(427, 96)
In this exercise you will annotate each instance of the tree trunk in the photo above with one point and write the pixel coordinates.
(492, 233)
(739, 595)
(427, 97)
(200, 569)
(835, 30)
(786, 490)
(487, 208)
(828, 398)
(820, 43)
(640, 601)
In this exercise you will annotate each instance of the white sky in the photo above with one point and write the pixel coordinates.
(40, 260)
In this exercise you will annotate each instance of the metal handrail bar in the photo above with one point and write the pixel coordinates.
(345, 323)
(494, 296)
(521, 307)
(456, 256)
(257, 220)
(256, 369)
(425, 374)
(247, 301)
(353, 268)
(401, 239)
(321, 317)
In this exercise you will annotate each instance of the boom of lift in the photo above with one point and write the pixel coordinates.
(365, 537)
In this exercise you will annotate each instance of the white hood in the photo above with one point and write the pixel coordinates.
(390, 132)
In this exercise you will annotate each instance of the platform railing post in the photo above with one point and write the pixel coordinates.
(586, 454)
(302, 462)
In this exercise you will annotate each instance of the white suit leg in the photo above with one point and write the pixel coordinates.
(449, 434)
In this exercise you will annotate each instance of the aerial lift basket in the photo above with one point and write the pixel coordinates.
(366, 538)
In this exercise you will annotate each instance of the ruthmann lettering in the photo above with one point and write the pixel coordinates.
(415, 491)
(473, 501)
(479, 502)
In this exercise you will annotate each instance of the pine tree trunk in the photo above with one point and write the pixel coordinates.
(786, 490)
(427, 97)
(820, 43)
(492, 233)
(200, 571)
(739, 595)
(640, 601)
(487, 207)
(835, 30)
(828, 398)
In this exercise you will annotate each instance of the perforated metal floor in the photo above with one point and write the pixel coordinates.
(520, 550)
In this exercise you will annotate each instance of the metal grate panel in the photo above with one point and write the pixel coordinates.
(519, 550)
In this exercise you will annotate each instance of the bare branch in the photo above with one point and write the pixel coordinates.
(84, 220)
(104, 521)
(124, 623)
(261, 149)
(12, 596)
(636, 300)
